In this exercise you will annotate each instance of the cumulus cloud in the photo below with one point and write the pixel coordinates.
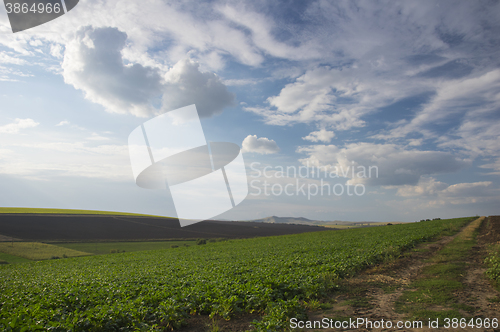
(17, 125)
(93, 62)
(56, 51)
(186, 85)
(322, 135)
(427, 186)
(260, 145)
(467, 189)
(395, 164)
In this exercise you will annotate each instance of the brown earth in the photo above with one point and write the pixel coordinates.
(66, 228)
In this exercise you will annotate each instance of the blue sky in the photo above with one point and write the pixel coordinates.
(411, 88)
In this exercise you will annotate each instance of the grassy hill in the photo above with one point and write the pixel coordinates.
(23, 210)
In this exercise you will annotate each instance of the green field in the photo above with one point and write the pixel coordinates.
(68, 211)
(99, 248)
(11, 259)
(158, 290)
(37, 250)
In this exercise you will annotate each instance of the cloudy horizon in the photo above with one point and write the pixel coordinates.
(411, 88)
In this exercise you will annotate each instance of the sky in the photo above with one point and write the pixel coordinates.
(316, 93)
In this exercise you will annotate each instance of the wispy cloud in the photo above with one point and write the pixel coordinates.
(17, 125)
(63, 123)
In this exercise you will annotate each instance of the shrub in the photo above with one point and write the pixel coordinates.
(174, 246)
(201, 241)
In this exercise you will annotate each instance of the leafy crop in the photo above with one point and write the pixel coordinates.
(493, 261)
(144, 291)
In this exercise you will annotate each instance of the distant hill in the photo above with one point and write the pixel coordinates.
(305, 221)
(287, 220)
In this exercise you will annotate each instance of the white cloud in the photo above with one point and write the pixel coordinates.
(454, 99)
(336, 97)
(261, 27)
(17, 125)
(466, 189)
(429, 192)
(97, 137)
(495, 166)
(322, 135)
(94, 64)
(395, 165)
(240, 82)
(5, 58)
(427, 186)
(186, 85)
(260, 145)
(67, 159)
(63, 123)
(56, 51)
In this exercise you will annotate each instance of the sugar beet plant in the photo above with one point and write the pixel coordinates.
(144, 291)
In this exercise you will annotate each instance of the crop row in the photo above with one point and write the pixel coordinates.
(143, 291)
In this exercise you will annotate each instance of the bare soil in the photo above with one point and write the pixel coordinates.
(67, 228)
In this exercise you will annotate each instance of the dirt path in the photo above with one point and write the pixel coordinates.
(374, 294)
(477, 288)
